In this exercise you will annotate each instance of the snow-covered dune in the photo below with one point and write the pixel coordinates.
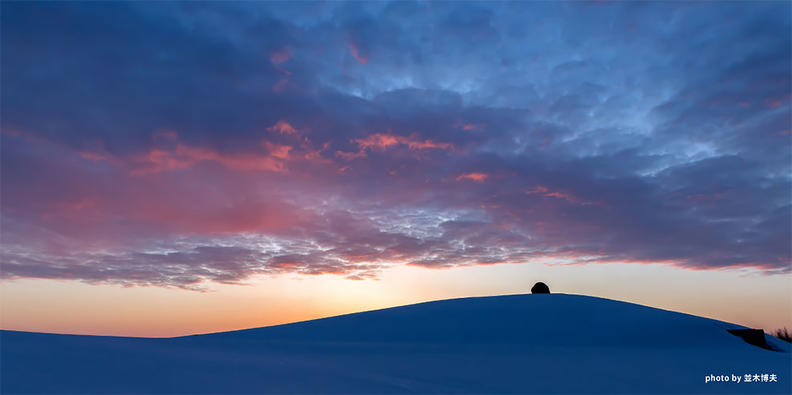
(517, 343)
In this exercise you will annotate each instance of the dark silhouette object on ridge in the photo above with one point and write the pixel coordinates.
(540, 288)
(754, 337)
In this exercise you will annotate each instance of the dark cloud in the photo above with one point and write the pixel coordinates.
(173, 144)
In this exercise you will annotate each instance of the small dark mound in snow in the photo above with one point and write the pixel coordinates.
(540, 288)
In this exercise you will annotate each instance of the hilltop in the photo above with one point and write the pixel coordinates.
(515, 343)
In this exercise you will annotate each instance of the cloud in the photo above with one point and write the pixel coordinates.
(382, 141)
(355, 52)
(283, 127)
(476, 176)
(544, 191)
(280, 56)
(165, 150)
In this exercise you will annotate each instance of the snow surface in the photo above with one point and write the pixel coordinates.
(554, 343)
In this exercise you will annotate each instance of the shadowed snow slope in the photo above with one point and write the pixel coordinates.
(552, 343)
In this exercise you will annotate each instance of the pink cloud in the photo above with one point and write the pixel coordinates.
(277, 58)
(280, 86)
(278, 150)
(280, 56)
(381, 141)
(478, 177)
(546, 192)
(355, 51)
(378, 141)
(283, 127)
(777, 101)
(184, 156)
(174, 154)
(350, 155)
(468, 126)
(384, 141)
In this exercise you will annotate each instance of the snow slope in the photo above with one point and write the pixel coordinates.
(553, 343)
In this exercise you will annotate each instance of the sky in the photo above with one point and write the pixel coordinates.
(171, 168)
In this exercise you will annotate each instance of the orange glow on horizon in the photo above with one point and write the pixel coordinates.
(79, 308)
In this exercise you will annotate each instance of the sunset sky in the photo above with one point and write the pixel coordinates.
(174, 168)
